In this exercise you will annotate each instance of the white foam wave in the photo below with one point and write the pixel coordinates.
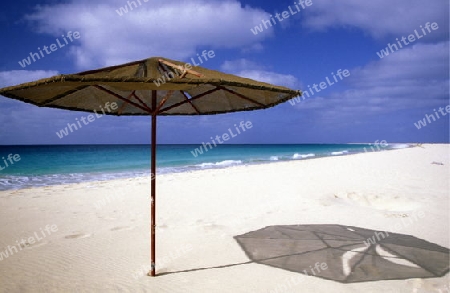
(339, 153)
(274, 158)
(400, 146)
(18, 182)
(221, 164)
(300, 156)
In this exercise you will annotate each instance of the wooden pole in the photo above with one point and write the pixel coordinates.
(153, 187)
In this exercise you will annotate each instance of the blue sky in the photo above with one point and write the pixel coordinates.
(382, 99)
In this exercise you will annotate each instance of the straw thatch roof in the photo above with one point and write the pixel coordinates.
(181, 90)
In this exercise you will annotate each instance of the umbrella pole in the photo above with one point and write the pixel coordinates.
(153, 187)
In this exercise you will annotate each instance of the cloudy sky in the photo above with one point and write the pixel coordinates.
(381, 99)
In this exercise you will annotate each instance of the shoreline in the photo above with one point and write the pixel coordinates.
(212, 166)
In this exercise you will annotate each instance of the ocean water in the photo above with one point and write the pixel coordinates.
(44, 165)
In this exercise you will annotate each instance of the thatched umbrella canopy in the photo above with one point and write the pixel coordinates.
(180, 90)
(153, 86)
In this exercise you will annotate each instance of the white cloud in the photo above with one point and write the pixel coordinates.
(381, 17)
(175, 29)
(271, 77)
(412, 78)
(250, 69)
(240, 65)
(15, 77)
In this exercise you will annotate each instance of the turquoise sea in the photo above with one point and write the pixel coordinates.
(41, 165)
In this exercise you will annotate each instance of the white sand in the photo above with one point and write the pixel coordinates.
(102, 238)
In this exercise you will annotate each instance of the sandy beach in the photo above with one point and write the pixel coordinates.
(94, 236)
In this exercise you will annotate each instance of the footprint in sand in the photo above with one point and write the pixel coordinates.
(108, 218)
(122, 228)
(27, 245)
(77, 236)
(396, 215)
(380, 201)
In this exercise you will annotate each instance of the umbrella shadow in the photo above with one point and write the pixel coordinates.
(345, 254)
(340, 253)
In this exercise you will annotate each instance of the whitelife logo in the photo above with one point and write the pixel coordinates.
(322, 85)
(35, 238)
(411, 38)
(53, 47)
(266, 23)
(86, 120)
(423, 122)
(244, 126)
(12, 159)
(130, 4)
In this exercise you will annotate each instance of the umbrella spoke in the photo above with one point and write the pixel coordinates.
(189, 100)
(133, 94)
(163, 101)
(241, 96)
(141, 101)
(122, 107)
(60, 96)
(123, 99)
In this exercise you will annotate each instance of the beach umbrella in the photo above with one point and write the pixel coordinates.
(344, 253)
(153, 86)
